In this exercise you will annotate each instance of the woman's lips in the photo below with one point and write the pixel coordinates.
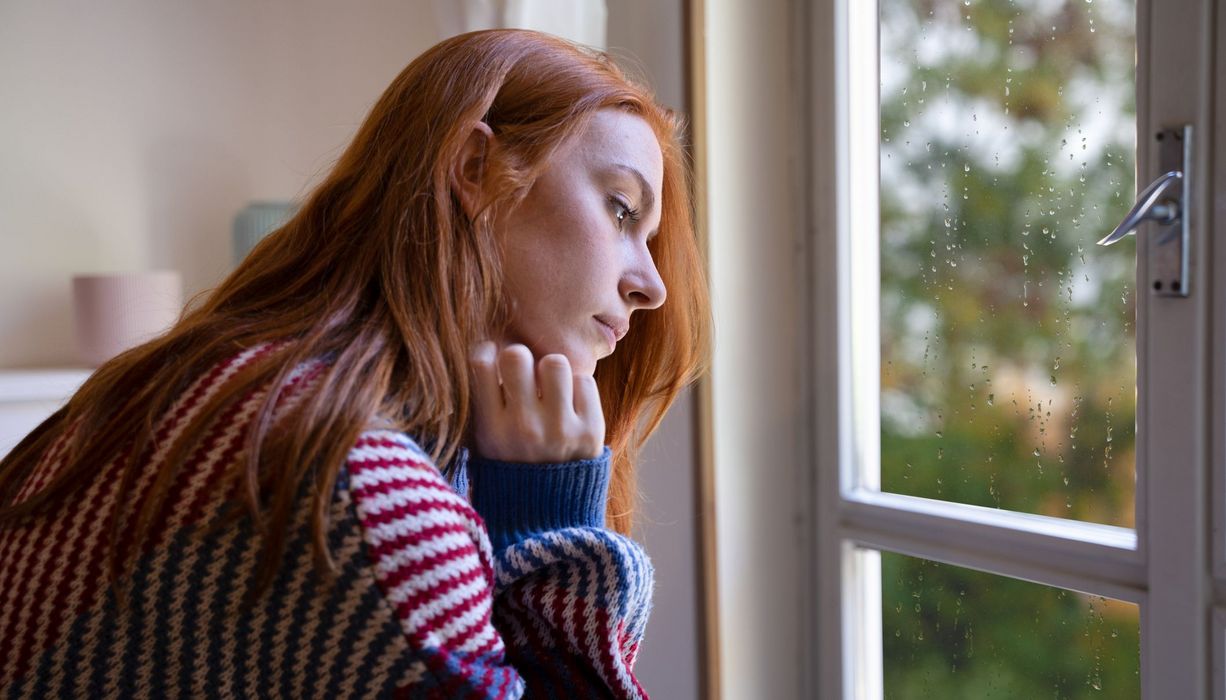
(620, 326)
(609, 332)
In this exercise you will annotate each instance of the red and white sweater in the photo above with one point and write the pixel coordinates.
(520, 591)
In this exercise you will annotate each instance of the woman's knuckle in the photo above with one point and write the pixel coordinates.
(516, 352)
(555, 361)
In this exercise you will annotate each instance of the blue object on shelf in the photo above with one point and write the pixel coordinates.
(257, 220)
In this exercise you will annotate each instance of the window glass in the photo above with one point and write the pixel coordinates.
(1008, 364)
(950, 632)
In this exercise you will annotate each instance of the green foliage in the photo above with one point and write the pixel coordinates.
(963, 634)
(1008, 364)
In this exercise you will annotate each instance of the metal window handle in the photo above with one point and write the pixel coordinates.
(1148, 208)
(1165, 203)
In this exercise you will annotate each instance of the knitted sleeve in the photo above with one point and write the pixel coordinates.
(572, 596)
(555, 607)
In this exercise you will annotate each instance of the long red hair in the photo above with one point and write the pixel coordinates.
(381, 273)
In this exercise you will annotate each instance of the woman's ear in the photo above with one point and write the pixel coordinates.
(468, 171)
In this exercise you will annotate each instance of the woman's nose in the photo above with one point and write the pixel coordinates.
(642, 287)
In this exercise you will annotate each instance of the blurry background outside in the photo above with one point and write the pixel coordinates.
(1007, 340)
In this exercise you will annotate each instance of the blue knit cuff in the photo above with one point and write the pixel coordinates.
(518, 500)
(459, 478)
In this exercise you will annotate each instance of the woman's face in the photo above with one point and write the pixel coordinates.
(575, 250)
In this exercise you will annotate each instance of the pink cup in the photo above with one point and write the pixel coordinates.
(120, 311)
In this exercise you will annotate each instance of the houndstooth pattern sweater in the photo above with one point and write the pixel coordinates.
(519, 591)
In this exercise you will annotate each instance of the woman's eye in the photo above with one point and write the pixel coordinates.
(623, 212)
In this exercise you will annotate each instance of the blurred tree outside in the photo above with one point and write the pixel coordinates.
(1007, 339)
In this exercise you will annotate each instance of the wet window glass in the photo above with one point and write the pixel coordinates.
(1008, 365)
(950, 632)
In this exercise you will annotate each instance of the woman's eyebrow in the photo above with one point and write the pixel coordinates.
(648, 196)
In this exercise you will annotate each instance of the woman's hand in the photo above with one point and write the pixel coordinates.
(536, 412)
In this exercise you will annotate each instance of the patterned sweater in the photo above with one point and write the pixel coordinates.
(519, 591)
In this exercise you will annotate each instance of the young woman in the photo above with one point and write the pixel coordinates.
(394, 450)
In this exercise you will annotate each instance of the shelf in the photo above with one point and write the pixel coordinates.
(22, 385)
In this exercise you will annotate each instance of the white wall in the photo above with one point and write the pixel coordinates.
(761, 413)
(132, 131)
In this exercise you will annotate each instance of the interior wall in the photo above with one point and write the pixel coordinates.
(132, 132)
(761, 412)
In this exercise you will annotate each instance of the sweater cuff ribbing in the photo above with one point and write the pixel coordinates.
(518, 500)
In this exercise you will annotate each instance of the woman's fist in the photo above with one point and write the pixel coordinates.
(535, 411)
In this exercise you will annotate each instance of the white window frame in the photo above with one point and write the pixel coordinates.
(1166, 565)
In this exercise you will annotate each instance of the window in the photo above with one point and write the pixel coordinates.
(980, 435)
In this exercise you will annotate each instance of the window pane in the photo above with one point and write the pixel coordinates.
(949, 632)
(1008, 365)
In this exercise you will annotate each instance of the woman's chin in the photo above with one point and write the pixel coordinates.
(583, 365)
(582, 362)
